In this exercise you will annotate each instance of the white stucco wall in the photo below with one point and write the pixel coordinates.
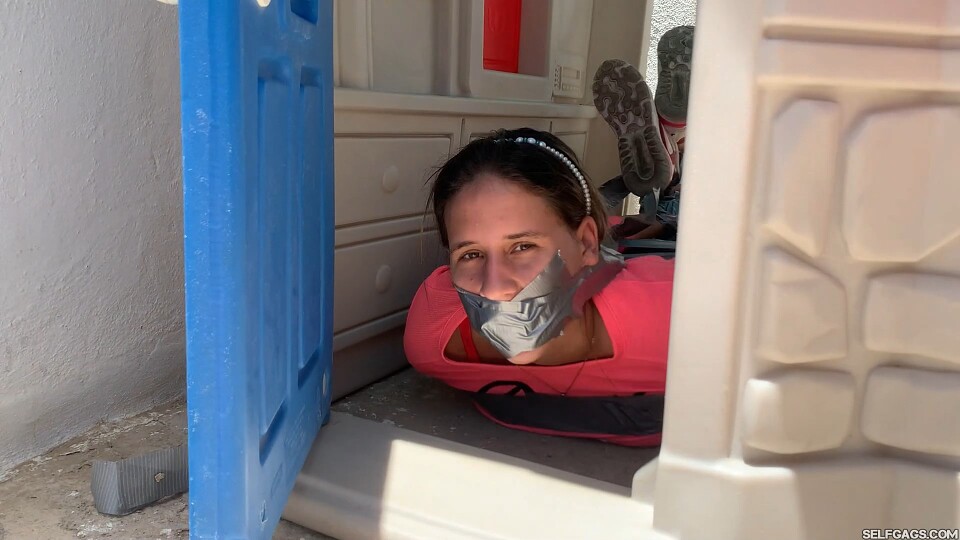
(91, 287)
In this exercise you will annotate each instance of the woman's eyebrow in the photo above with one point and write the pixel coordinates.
(525, 234)
(463, 244)
(514, 236)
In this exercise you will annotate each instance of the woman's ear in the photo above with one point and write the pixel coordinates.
(587, 234)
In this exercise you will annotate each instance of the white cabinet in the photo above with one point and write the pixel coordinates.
(435, 47)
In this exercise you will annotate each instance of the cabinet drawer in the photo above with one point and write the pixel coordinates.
(379, 278)
(384, 177)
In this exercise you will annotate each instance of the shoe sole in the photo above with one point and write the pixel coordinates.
(674, 54)
(624, 101)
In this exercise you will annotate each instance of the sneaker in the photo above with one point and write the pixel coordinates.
(674, 54)
(624, 100)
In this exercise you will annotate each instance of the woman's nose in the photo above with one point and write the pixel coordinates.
(498, 282)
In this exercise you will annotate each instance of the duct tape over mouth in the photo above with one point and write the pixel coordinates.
(538, 312)
(125, 486)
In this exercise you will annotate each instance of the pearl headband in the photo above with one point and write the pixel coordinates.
(566, 161)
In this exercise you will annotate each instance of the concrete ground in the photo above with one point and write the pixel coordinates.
(49, 497)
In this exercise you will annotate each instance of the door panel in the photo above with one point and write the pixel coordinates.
(258, 226)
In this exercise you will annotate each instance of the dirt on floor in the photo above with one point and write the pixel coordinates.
(49, 497)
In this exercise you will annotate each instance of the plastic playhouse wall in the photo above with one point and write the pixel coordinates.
(814, 377)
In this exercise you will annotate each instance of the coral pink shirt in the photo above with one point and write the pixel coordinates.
(634, 307)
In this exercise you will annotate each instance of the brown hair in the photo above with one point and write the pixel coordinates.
(531, 166)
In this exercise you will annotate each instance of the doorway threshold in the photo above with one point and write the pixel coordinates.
(408, 458)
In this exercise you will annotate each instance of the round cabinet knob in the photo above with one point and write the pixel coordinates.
(384, 277)
(391, 179)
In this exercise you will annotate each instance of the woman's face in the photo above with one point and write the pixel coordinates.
(501, 236)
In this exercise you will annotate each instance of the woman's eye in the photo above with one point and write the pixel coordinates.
(469, 256)
(523, 247)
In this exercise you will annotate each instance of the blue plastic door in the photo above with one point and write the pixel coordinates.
(258, 204)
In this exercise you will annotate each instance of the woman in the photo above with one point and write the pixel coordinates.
(530, 298)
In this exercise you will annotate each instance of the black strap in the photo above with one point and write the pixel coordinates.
(517, 386)
(640, 414)
(643, 248)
